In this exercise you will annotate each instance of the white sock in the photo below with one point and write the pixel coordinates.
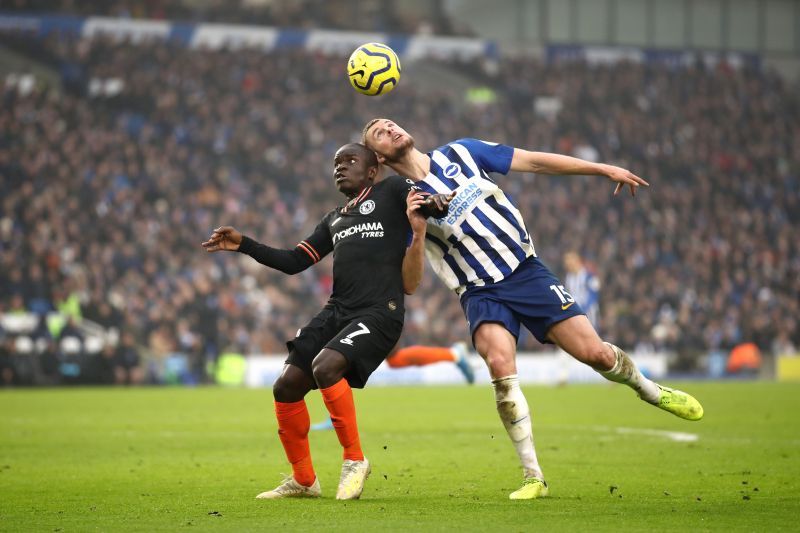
(625, 371)
(516, 417)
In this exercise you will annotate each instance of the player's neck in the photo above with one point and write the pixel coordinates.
(414, 164)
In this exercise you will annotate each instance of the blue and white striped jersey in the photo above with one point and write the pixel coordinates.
(483, 237)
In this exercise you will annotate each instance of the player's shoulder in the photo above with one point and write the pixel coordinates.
(394, 180)
(332, 214)
(472, 143)
(396, 183)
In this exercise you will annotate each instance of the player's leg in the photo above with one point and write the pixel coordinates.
(428, 355)
(329, 370)
(497, 346)
(576, 336)
(420, 356)
(347, 361)
(289, 392)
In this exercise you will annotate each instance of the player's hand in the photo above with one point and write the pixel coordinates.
(624, 177)
(438, 203)
(223, 238)
(414, 202)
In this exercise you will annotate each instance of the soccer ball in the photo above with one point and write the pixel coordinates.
(373, 69)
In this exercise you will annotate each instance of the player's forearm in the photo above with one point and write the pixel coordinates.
(414, 264)
(287, 261)
(547, 163)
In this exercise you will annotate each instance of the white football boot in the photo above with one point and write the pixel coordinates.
(290, 488)
(351, 482)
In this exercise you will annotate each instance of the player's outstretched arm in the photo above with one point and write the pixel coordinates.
(228, 238)
(414, 261)
(547, 163)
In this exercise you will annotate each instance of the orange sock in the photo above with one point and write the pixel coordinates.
(293, 426)
(339, 401)
(420, 356)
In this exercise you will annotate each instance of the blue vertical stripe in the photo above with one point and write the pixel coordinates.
(487, 248)
(498, 232)
(437, 171)
(471, 260)
(466, 169)
(509, 216)
(448, 259)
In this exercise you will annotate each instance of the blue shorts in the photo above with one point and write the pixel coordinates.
(531, 295)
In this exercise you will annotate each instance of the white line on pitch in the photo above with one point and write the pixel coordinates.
(677, 436)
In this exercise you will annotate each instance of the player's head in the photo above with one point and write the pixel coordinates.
(387, 139)
(354, 167)
(572, 261)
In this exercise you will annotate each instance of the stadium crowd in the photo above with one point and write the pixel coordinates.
(110, 186)
(358, 15)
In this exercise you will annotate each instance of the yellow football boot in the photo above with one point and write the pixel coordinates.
(679, 404)
(531, 489)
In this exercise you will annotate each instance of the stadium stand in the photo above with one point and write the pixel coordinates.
(111, 181)
(358, 15)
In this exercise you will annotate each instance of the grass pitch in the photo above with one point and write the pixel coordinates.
(193, 459)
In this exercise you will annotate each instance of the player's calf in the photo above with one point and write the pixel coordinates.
(624, 371)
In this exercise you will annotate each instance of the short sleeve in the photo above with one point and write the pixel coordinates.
(492, 157)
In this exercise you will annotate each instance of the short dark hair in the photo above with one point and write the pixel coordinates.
(366, 129)
(370, 157)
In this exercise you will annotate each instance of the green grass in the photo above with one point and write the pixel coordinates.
(164, 459)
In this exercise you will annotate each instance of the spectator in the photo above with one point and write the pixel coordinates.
(127, 362)
(6, 368)
(105, 197)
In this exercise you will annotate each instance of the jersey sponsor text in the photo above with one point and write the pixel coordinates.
(367, 229)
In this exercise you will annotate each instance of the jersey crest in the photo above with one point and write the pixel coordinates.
(367, 207)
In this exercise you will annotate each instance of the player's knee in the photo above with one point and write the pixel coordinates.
(328, 369)
(284, 391)
(599, 356)
(500, 363)
(322, 374)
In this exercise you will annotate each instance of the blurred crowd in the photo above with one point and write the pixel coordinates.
(110, 186)
(355, 15)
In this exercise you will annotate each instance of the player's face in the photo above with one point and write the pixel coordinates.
(351, 171)
(572, 262)
(389, 140)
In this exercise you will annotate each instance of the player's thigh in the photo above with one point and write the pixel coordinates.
(365, 342)
(577, 337)
(311, 339)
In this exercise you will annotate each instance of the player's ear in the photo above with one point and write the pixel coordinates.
(381, 159)
(372, 172)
